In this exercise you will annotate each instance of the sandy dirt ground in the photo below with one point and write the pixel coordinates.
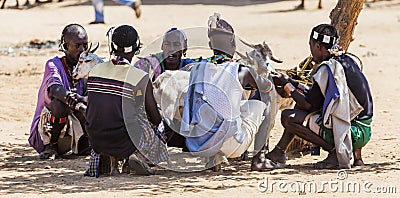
(22, 174)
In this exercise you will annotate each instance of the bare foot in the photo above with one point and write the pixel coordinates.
(216, 168)
(358, 162)
(277, 156)
(299, 7)
(330, 162)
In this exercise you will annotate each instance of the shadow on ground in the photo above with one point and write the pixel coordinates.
(22, 172)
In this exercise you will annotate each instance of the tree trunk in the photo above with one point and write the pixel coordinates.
(344, 18)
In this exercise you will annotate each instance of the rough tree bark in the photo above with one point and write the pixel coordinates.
(344, 17)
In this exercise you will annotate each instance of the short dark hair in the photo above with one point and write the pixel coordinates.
(325, 29)
(68, 30)
(126, 36)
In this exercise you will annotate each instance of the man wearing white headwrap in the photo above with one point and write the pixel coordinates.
(215, 121)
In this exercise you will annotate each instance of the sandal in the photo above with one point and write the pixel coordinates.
(140, 167)
(262, 164)
(50, 152)
(266, 165)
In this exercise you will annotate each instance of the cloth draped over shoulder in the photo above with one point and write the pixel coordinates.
(212, 113)
(339, 108)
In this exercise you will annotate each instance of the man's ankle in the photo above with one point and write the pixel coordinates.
(278, 150)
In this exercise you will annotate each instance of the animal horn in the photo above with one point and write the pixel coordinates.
(270, 55)
(90, 46)
(250, 45)
(276, 59)
(250, 60)
(95, 48)
(242, 56)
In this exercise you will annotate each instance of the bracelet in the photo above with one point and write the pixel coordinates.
(289, 88)
(293, 82)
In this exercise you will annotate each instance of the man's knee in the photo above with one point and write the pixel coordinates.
(58, 109)
(286, 117)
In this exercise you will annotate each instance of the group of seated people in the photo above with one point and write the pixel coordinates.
(123, 121)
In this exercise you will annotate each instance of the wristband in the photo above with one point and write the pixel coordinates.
(303, 87)
(289, 88)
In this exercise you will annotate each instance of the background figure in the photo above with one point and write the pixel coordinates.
(173, 46)
(99, 9)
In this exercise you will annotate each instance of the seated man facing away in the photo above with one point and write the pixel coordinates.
(174, 45)
(336, 112)
(216, 122)
(57, 127)
(122, 113)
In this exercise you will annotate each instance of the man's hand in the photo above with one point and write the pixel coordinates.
(279, 79)
(74, 98)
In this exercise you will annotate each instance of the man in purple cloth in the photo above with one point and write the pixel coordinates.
(57, 127)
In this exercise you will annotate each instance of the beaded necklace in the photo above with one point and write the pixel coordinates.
(218, 59)
(71, 80)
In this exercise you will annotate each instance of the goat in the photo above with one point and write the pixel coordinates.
(169, 91)
(87, 60)
(259, 58)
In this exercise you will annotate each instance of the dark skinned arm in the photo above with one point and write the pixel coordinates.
(246, 78)
(151, 105)
(65, 96)
(301, 102)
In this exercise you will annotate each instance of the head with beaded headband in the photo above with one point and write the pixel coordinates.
(323, 38)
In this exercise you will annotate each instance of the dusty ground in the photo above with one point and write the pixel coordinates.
(22, 174)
